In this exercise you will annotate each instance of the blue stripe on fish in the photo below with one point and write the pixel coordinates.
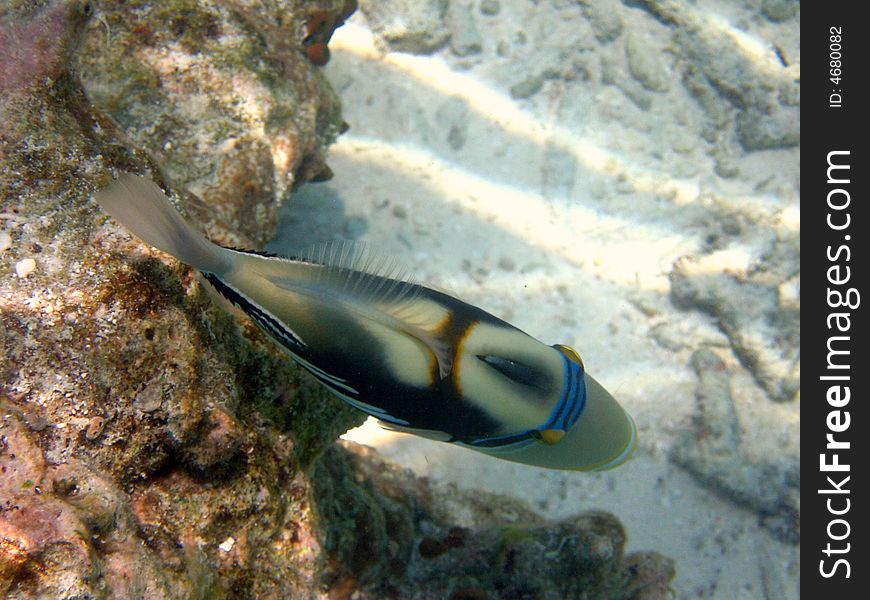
(573, 401)
(580, 403)
(562, 418)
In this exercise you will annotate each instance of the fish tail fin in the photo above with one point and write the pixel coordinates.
(142, 207)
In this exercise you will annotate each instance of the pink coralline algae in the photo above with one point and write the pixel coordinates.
(34, 50)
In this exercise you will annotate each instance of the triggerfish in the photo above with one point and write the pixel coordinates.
(417, 359)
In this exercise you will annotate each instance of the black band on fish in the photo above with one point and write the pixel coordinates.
(563, 417)
(265, 320)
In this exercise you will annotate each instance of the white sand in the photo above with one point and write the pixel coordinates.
(563, 214)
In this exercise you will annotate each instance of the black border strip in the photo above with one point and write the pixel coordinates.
(834, 130)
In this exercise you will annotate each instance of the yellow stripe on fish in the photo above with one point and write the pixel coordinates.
(420, 360)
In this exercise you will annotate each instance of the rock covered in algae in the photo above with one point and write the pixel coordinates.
(142, 429)
(435, 541)
(150, 445)
(222, 93)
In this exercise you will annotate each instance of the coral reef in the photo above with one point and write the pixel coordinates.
(33, 49)
(439, 542)
(150, 445)
(141, 429)
(223, 94)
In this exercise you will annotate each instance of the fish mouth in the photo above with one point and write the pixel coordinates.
(626, 454)
(604, 437)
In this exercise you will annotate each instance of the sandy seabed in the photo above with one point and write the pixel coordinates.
(551, 164)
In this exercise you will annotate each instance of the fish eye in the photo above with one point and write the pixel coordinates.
(571, 354)
(517, 371)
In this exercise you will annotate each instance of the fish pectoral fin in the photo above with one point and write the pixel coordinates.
(440, 347)
(429, 434)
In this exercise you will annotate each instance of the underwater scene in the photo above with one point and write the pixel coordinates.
(460, 299)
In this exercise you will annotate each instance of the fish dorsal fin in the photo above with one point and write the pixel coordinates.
(353, 268)
(378, 286)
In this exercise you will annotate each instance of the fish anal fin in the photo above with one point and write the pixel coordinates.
(429, 434)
